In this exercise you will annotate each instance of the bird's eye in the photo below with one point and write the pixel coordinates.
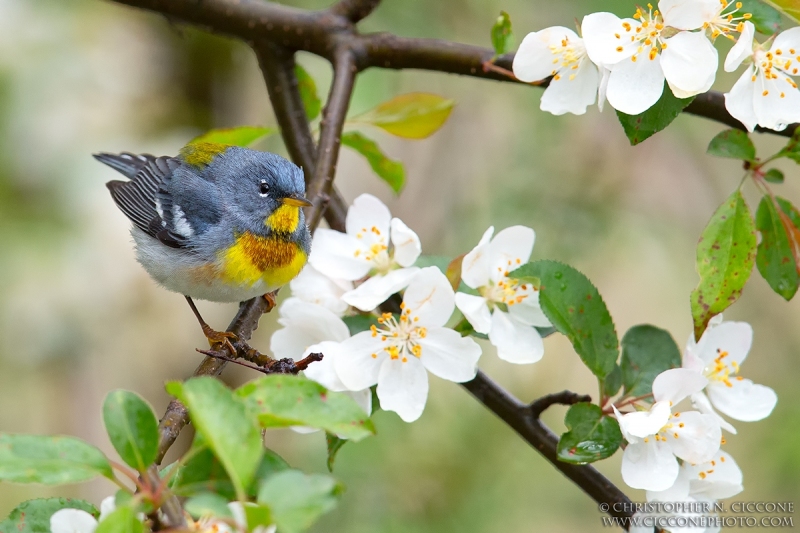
(263, 188)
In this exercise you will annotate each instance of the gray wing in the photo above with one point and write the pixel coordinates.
(163, 198)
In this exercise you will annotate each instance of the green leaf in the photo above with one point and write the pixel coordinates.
(203, 472)
(766, 19)
(334, 444)
(411, 116)
(592, 435)
(242, 136)
(502, 37)
(227, 426)
(208, 504)
(647, 351)
(577, 310)
(308, 92)
(389, 170)
(132, 428)
(50, 460)
(775, 258)
(773, 175)
(612, 382)
(726, 253)
(297, 499)
(121, 520)
(33, 516)
(257, 515)
(285, 400)
(641, 127)
(733, 143)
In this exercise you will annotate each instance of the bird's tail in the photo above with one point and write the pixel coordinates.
(126, 163)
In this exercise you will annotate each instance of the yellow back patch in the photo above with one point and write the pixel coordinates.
(201, 154)
(284, 219)
(251, 258)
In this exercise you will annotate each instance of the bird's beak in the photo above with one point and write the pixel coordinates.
(296, 202)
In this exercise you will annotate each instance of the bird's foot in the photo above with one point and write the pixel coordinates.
(220, 339)
(270, 298)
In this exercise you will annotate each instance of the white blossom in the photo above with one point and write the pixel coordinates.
(657, 437)
(506, 309)
(79, 521)
(375, 246)
(311, 328)
(643, 51)
(765, 95)
(718, 356)
(558, 52)
(210, 524)
(314, 287)
(398, 354)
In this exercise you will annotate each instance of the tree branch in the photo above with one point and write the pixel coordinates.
(323, 32)
(333, 117)
(565, 397)
(522, 419)
(354, 10)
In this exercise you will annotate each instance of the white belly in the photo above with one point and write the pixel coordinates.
(181, 272)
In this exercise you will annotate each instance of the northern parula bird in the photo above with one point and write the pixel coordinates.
(217, 222)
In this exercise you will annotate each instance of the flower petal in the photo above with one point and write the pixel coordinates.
(694, 437)
(534, 58)
(450, 356)
(649, 465)
(355, 364)
(475, 265)
(777, 102)
(634, 86)
(365, 213)
(429, 298)
(599, 37)
(602, 88)
(363, 398)
(717, 479)
(643, 424)
(72, 521)
(377, 289)
(787, 40)
(675, 384)
(689, 63)
(701, 403)
(731, 338)
(509, 249)
(688, 14)
(528, 310)
(406, 244)
(305, 324)
(403, 387)
(739, 101)
(573, 91)
(338, 255)
(324, 372)
(313, 286)
(679, 491)
(515, 342)
(743, 400)
(107, 506)
(475, 310)
(742, 49)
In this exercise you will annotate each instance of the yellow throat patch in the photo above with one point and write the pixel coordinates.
(284, 219)
(272, 259)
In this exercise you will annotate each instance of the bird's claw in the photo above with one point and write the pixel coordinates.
(220, 339)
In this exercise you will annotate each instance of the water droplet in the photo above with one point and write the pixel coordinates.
(558, 275)
(563, 287)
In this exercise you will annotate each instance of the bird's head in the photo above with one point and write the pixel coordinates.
(263, 191)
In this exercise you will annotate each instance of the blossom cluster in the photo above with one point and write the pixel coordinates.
(627, 61)
(350, 274)
(660, 434)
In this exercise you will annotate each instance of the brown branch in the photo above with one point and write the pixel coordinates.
(333, 117)
(566, 397)
(521, 418)
(324, 32)
(354, 10)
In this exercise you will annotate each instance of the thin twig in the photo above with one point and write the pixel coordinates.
(354, 10)
(333, 117)
(566, 397)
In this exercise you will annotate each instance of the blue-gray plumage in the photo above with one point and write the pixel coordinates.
(216, 223)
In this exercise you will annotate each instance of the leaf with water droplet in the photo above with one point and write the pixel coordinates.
(647, 351)
(592, 435)
(577, 310)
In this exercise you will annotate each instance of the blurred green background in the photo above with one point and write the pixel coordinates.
(79, 317)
